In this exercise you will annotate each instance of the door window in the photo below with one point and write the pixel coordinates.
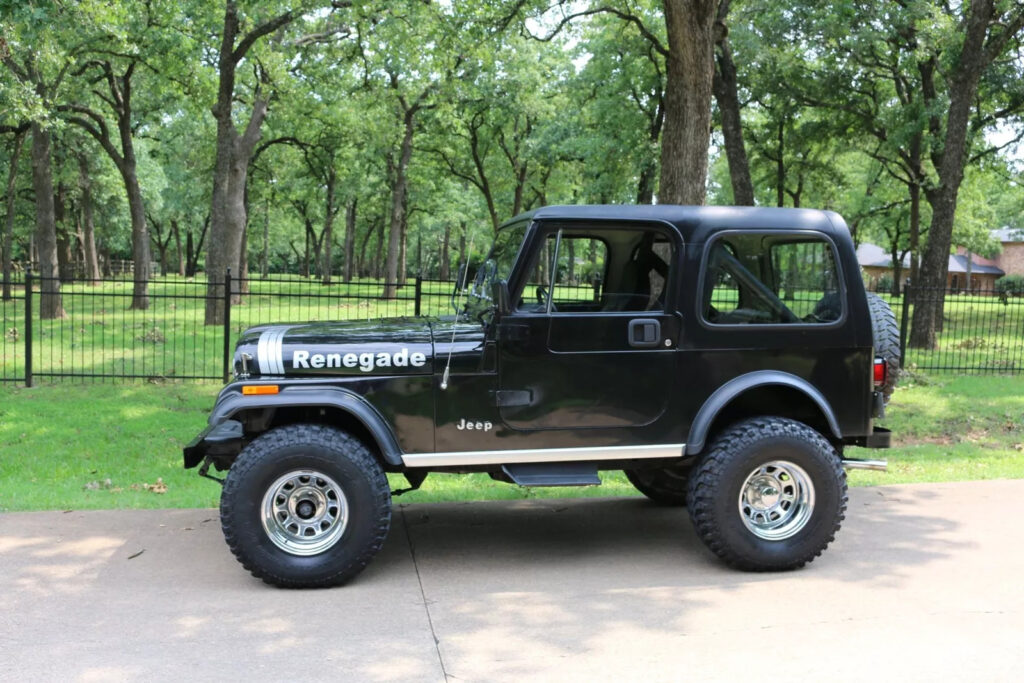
(599, 270)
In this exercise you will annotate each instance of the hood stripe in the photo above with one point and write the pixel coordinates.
(270, 350)
(279, 350)
(261, 354)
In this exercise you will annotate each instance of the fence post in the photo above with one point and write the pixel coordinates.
(28, 328)
(227, 324)
(419, 294)
(904, 321)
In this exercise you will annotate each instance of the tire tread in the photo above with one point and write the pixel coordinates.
(709, 473)
(316, 435)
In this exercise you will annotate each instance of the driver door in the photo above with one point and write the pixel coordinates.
(591, 342)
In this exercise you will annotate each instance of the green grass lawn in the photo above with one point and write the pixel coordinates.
(78, 446)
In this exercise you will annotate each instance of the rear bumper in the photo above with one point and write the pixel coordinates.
(879, 438)
(225, 438)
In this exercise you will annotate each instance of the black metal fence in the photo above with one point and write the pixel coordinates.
(101, 337)
(980, 332)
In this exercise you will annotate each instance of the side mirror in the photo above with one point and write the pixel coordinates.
(500, 297)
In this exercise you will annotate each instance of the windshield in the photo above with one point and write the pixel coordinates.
(503, 254)
(497, 266)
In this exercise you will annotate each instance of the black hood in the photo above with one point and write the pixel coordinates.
(396, 346)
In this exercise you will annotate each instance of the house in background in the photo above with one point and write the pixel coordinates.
(1011, 259)
(877, 264)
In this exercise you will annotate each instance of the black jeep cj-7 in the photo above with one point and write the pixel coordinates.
(722, 357)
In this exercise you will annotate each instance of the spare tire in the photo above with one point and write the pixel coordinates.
(886, 334)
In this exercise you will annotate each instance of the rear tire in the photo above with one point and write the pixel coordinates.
(305, 506)
(769, 495)
(664, 486)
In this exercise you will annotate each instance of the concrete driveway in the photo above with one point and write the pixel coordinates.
(923, 583)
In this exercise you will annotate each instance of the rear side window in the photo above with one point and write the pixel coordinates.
(771, 279)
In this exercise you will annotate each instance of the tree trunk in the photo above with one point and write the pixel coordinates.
(92, 264)
(445, 269)
(265, 257)
(462, 244)
(350, 239)
(63, 245)
(645, 185)
(161, 246)
(403, 251)
(970, 269)
(398, 190)
(140, 232)
(915, 232)
(233, 153)
(963, 84)
(689, 73)
(243, 253)
(305, 250)
(177, 243)
(378, 260)
(190, 254)
(12, 176)
(328, 234)
(897, 271)
(780, 166)
(726, 89)
(50, 305)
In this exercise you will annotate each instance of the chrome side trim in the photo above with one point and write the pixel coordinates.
(674, 450)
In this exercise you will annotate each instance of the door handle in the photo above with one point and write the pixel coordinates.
(644, 333)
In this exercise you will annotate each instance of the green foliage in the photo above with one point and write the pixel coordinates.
(1010, 285)
(834, 116)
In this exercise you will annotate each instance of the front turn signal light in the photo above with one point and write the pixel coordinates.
(260, 389)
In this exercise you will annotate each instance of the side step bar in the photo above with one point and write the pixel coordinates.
(875, 465)
(553, 474)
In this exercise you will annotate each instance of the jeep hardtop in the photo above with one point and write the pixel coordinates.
(722, 357)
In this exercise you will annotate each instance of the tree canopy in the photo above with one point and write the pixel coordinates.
(351, 138)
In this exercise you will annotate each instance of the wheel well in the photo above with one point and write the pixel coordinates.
(260, 420)
(773, 400)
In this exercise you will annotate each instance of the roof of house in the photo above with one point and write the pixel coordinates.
(1008, 234)
(960, 263)
(874, 256)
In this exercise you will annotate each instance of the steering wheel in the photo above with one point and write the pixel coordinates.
(542, 295)
(542, 300)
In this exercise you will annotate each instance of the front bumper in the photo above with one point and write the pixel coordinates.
(225, 438)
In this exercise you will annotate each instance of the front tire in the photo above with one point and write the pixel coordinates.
(305, 506)
(769, 495)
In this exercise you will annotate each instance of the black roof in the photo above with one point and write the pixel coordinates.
(695, 222)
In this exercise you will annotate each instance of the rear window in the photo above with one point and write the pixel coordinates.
(771, 279)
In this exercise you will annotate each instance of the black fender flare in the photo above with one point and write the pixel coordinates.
(752, 380)
(347, 401)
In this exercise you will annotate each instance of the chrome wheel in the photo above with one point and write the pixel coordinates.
(304, 512)
(776, 500)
